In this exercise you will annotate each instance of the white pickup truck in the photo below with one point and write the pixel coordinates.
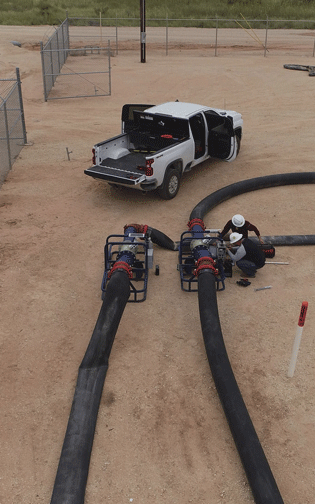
(159, 143)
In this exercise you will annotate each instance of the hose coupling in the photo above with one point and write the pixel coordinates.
(138, 228)
(196, 222)
(121, 266)
(205, 263)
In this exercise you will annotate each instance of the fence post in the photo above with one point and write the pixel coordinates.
(109, 70)
(266, 37)
(68, 39)
(58, 51)
(7, 132)
(116, 36)
(166, 41)
(142, 32)
(43, 70)
(101, 34)
(18, 80)
(51, 64)
(216, 35)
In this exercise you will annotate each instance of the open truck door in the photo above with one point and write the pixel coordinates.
(221, 137)
(127, 116)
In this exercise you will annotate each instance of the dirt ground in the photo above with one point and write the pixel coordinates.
(161, 435)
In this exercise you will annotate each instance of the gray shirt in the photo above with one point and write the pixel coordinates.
(239, 254)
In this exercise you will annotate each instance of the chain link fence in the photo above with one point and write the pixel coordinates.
(12, 123)
(64, 56)
(215, 35)
(54, 54)
(63, 64)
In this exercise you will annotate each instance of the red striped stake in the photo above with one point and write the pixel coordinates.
(297, 339)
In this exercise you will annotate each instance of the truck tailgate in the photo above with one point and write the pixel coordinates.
(120, 171)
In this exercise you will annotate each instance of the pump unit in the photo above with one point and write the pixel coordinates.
(212, 247)
(133, 253)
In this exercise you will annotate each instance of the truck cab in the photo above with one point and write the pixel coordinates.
(216, 133)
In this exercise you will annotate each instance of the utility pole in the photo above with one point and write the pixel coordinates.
(142, 30)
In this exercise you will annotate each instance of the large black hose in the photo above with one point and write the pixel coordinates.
(161, 239)
(72, 473)
(245, 186)
(287, 240)
(260, 478)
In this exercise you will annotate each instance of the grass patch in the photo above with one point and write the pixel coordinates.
(281, 13)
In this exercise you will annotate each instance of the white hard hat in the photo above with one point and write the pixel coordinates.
(235, 237)
(238, 220)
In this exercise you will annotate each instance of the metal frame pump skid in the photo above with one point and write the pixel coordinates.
(131, 252)
(199, 251)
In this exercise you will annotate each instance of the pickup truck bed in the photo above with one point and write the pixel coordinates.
(120, 170)
(125, 169)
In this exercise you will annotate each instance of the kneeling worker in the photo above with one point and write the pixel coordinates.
(247, 256)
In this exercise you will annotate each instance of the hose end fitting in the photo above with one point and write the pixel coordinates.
(138, 228)
(121, 266)
(196, 222)
(205, 263)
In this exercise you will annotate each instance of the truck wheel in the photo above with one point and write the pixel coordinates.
(170, 186)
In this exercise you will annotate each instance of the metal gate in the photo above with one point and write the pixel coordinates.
(74, 72)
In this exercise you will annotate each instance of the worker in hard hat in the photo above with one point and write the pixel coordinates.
(238, 224)
(247, 256)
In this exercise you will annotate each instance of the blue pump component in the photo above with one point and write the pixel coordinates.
(132, 252)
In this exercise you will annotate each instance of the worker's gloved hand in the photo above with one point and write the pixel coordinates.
(220, 236)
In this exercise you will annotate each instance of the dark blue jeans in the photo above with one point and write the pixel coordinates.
(248, 267)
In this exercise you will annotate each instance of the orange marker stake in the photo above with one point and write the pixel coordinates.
(297, 339)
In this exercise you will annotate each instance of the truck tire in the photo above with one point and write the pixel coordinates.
(170, 186)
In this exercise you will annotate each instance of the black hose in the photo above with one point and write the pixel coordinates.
(278, 241)
(261, 480)
(245, 186)
(162, 239)
(72, 473)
